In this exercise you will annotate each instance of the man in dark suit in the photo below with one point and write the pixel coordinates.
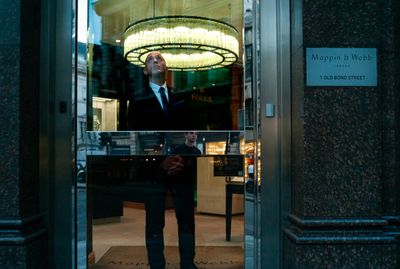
(156, 109)
(176, 173)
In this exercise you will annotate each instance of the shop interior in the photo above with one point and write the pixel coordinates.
(116, 214)
(220, 103)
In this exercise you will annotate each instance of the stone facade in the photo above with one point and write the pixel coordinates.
(345, 143)
(22, 235)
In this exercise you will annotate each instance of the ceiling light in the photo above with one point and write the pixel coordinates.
(186, 42)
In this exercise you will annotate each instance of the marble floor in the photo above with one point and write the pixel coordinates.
(129, 231)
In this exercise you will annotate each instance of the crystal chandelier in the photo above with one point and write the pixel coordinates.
(186, 42)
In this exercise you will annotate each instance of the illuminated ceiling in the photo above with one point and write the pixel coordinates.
(116, 15)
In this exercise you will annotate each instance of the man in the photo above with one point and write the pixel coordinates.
(155, 110)
(179, 170)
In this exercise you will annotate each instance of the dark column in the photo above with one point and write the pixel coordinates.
(345, 143)
(22, 236)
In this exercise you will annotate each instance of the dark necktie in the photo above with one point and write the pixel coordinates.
(163, 99)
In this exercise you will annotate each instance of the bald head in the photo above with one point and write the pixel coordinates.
(155, 67)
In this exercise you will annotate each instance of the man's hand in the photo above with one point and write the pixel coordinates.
(173, 165)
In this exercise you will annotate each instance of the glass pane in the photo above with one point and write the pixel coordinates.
(140, 183)
(252, 135)
(136, 168)
(204, 94)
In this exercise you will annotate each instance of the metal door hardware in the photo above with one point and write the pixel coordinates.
(270, 110)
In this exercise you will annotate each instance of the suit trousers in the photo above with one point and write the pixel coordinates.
(183, 200)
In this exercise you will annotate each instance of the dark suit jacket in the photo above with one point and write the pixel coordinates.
(145, 113)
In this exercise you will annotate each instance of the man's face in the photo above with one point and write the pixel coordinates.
(155, 65)
(191, 137)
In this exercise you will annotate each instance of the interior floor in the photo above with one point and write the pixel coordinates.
(129, 231)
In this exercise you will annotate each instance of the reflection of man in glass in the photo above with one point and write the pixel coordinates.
(180, 171)
(154, 110)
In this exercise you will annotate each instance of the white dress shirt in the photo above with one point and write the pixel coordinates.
(156, 90)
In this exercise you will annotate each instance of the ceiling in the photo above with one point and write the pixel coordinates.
(116, 15)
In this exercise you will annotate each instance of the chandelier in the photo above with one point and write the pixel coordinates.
(186, 42)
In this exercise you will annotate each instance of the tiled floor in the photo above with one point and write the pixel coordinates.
(210, 231)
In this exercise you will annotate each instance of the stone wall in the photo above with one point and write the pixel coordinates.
(345, 143)
(22, 236)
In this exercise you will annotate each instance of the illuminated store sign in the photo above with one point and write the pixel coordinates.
(341, 67)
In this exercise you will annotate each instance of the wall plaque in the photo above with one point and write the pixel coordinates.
(341, 67)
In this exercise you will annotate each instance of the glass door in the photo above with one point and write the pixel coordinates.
(124, 174)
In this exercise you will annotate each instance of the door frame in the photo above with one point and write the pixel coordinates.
(275, 131)
(57, 57)
(56, 169)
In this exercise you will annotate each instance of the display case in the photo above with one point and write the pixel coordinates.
(211, 189)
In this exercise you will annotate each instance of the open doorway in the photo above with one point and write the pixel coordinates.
(224, 103)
